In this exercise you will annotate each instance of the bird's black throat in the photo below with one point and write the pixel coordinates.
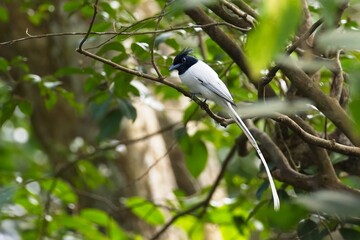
(187, 64)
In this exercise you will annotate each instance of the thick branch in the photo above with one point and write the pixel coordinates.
(272, 72)
(200, 17)
(327, 105)
(320, 142)
(226, 43)
(246, 8)
(286, 174)
(237, 18)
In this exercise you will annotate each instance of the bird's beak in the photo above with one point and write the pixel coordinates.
(173, 67)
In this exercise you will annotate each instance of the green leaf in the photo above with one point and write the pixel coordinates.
(106, 7)
(335, 39)
(329, 11)
(263, 187)
(127, 109)
(308, 230)
(191, 112)
(61, 189)
(340, 204)
(141, 50)
(51, 99)
(220, 215)
(123, 86)
(278, 21)
(354, 107)
(92, 83)
(282, 219)
(92, 175)
(70, 98)
(71, 6)
(101, 26)
(7, 110)
(112, 46)
(166, 93)
(256, 209)
(163, 37)
(195, 154)
(95, 215)
(87, 10)
(25, 107)
(20, 62)
(180, 133)
(32, 78)
(145, 210)
(98, 111)
(110, 124)
(102, 219)
(349, 233)
(4, 15)
(6, 194)
(79, 224)
(4, 66)
(193, 226)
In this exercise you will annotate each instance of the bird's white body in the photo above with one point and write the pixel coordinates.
(202, 80)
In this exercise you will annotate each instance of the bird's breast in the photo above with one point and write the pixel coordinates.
(189, 78)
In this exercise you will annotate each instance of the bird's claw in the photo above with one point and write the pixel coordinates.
(192, 96)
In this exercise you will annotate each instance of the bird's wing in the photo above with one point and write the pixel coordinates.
(210, 79)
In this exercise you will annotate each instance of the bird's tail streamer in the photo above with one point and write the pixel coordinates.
(242, 125)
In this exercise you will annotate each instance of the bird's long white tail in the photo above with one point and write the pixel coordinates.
(242, 125)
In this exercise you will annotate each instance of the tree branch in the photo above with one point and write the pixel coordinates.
(284, 172)
(226, 43)
(272, 72)
(327, 105)
(121, 33)
(320, 142)
(246, 8)
(200, 17)
(237, 18)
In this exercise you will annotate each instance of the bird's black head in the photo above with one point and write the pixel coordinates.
(183, 61)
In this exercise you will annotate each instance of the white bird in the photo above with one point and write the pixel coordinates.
(202, 80)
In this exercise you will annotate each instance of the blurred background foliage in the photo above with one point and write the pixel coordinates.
(92, 152)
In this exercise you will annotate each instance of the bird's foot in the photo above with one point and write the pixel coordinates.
(193, 95)
(204, 106)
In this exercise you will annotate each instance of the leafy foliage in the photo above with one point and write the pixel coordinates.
(278, 22)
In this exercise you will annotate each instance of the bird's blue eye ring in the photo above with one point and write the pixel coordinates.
(183, 59)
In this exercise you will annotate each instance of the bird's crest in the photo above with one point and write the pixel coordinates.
(185, 51)
(182, 54)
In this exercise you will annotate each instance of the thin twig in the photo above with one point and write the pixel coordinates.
(272, 72)
(154, 38)
(246, 8)
(320, 142)
(248, 18)
(90, 26)
(121, 33)
(124, 30)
